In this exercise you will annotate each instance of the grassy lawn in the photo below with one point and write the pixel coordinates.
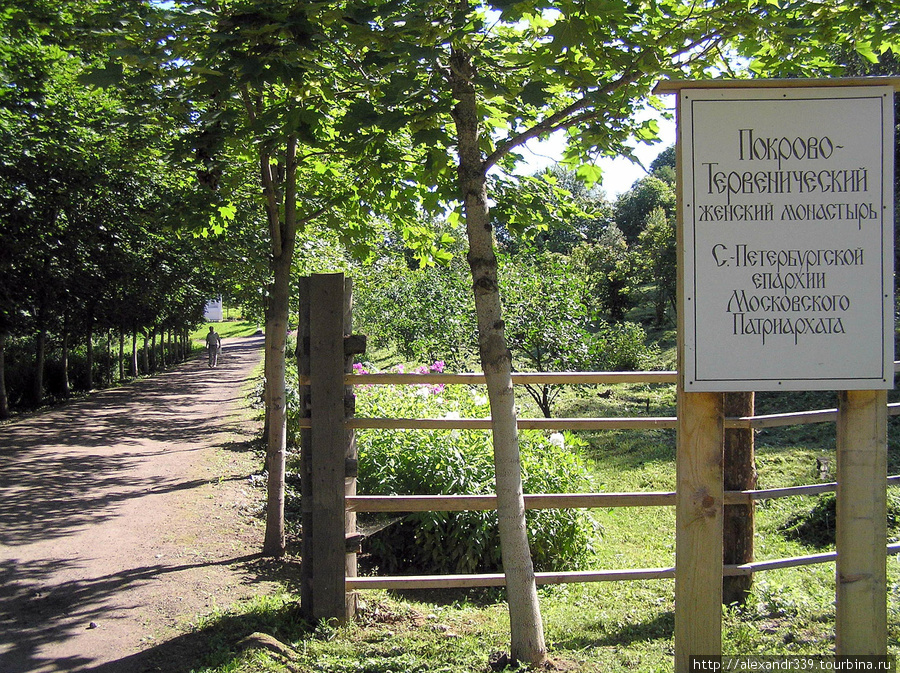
(610, 626)
(236, 328)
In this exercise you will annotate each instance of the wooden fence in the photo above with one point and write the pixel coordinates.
(456, 503)
(330, 463)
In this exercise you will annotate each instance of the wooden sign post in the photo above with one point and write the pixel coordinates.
(785, 282)
(861, 527)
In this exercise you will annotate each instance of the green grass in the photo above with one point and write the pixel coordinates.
(237, 328)
(611, 626)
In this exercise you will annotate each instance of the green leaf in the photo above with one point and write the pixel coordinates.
(104, 77)
(590, 174)
(535, 93)
(227, 212)
(865, 50)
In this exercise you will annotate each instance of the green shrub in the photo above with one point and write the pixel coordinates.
(393, 462)
(816, 526)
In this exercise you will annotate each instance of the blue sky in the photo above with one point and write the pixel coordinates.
(618, 174)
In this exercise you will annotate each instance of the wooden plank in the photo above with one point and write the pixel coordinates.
(306, 500)
(795, 418)
(565, 378)
(676, 85)
(777, 564)
(329, 444)
(613, 423)
(400, 582)
(350, 452)
(461, 503)
(698, 527)
(475, 378)
(649, 423)
(861, 527)
(773, 493)
(497, 580)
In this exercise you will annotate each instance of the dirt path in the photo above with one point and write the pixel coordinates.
(124, 515)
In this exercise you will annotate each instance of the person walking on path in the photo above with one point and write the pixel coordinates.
(213, 346)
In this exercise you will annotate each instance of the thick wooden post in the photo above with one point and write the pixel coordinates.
(306, 478)
(861, 620)
(324, 545)
(740, 475)
(352, 346)
(699, 509)
(699, 497)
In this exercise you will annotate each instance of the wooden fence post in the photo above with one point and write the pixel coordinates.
(352, 345)
(739, 475)
(328, 449)
(306, 471)
(861, 567)
(699, 505)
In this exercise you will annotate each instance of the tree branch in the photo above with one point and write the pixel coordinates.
(563, 119)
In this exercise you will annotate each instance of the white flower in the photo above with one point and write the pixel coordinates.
(557, 439)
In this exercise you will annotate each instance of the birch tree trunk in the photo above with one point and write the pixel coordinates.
(526, 626)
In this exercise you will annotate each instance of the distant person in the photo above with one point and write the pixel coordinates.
(213, 346)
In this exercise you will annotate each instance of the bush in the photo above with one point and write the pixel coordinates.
(816, 526)
(461, 462)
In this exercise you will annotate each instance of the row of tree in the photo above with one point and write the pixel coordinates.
(90, 207)
(368, 116)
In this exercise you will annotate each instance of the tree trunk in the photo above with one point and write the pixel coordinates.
(40, 356)
(145, 354)
(526, 626)
(109, 367)
(90, 354)
(740, 475)
(66, 388)
(135, 372)
(4, 399)
(283, 234)
(121, 354)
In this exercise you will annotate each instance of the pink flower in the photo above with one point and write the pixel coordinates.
(438, 366)
(422, 370)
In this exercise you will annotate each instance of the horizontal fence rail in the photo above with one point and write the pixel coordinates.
(399, 582)
(461, 503)
(457, 503)
(612, 423)
(760, 422)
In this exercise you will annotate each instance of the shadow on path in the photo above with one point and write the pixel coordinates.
(87, 495)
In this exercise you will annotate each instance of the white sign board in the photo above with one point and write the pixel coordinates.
(787, 255)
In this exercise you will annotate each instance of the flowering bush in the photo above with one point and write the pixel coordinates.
(405, 462)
